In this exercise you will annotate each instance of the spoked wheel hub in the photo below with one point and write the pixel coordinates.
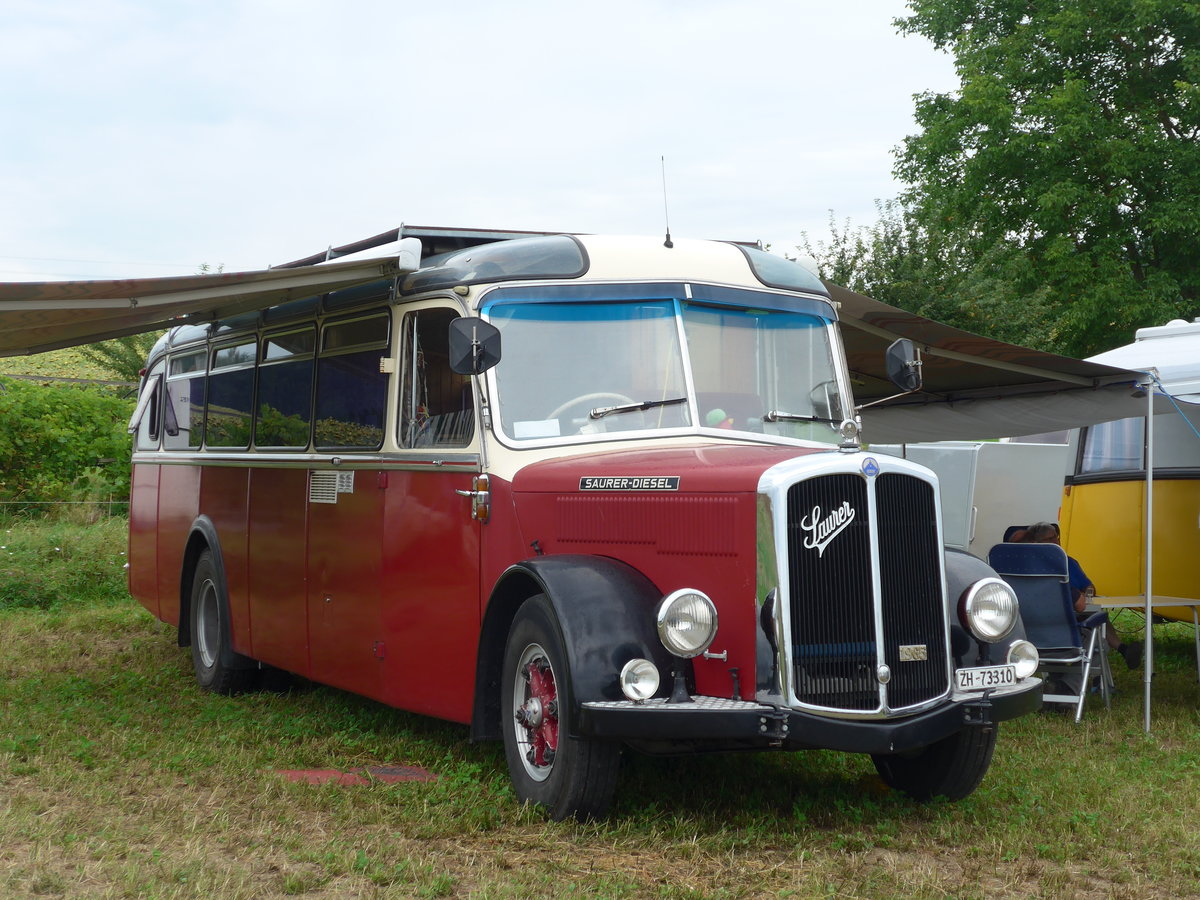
(535, 701)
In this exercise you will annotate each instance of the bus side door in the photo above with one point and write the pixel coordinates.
(431, 540)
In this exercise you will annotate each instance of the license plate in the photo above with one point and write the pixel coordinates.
(985, 677)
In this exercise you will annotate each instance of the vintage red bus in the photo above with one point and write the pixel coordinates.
(579, 493)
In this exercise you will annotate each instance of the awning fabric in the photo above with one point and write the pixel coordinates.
(47, 315)
(974, 387)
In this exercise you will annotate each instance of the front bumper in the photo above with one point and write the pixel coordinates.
(714, 723)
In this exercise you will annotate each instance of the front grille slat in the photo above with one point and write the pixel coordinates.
(911, 586)
(833, 608)
(833, 632)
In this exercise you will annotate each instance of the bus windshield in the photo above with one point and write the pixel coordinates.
(572, 369)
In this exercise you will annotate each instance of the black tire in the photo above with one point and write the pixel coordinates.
(218, 668)
(951, 768)
(568, 776)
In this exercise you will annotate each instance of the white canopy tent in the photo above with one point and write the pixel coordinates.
(1171, 356)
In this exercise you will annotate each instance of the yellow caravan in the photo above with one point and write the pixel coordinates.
(1104, 501)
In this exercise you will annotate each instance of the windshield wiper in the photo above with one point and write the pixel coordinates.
(776, 415)
(601, 411)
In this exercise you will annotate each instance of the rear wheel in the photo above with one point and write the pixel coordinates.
(952, 768)
(569, 777)
(218, 668)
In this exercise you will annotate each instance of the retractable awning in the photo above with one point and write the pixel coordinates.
(974, 387)
(36, 316)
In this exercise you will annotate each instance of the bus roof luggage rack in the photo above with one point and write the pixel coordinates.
(434, 241)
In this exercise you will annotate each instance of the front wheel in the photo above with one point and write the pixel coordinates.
(950, 768)
(568, 776)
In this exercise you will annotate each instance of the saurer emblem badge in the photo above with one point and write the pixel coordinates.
(822, 529)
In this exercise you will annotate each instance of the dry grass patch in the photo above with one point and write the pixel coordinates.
(119, 778)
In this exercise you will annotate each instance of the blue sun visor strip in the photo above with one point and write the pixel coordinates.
(700, 293)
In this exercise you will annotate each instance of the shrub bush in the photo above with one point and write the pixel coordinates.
(63, 442)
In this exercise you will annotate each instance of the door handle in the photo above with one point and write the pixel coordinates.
(481, 498)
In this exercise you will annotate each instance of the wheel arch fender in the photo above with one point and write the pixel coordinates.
(605, 611)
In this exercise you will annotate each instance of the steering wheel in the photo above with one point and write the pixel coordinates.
(822, 398)
(591, 400)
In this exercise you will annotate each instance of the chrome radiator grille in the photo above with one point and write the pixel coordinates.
(835, 614)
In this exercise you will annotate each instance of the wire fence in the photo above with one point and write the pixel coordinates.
(80, 511)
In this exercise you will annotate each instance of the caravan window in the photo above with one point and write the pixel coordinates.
(1113, 447)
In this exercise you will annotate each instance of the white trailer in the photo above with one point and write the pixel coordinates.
(987, 486)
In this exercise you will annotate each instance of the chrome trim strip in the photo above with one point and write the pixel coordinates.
(767, 580)
(876, 586)
(405, 462)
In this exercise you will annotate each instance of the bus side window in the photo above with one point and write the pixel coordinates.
(436, 407)
(230, 395)
(351, 390)
(285, 380)
(183, 413)
(150, 408)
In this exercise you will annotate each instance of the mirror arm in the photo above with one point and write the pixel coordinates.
(863, 406)
(914, 364)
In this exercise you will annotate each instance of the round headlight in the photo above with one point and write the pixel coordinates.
(639, 679)
(1024, 656)
(687, 623)
(989, 609)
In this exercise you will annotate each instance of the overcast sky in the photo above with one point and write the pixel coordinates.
(148, 137)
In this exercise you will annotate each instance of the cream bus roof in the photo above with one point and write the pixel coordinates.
(637, 258)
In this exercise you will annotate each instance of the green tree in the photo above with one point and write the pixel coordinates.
(1066, 168)
(122, 357)
(933, 273)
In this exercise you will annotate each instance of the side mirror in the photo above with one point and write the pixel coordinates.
(903, 364)
(474, 346)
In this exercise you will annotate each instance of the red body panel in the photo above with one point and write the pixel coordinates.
(430, 578)
(703, 468)
(377, 593)
(178, 506)
(701, 535)
(278, 567)
(382, 591)
(345, 587)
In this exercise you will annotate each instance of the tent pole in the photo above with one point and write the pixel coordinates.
(1148, 656)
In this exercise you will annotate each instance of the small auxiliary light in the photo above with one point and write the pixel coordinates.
(639, 680)
(1024, 657)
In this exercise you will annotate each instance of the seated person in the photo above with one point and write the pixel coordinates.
(1082, 589)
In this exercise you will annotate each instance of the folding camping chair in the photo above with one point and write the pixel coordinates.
(1038, 575)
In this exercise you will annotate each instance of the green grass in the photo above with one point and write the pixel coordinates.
(119, 778)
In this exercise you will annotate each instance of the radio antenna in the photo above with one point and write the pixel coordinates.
(668, 243)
